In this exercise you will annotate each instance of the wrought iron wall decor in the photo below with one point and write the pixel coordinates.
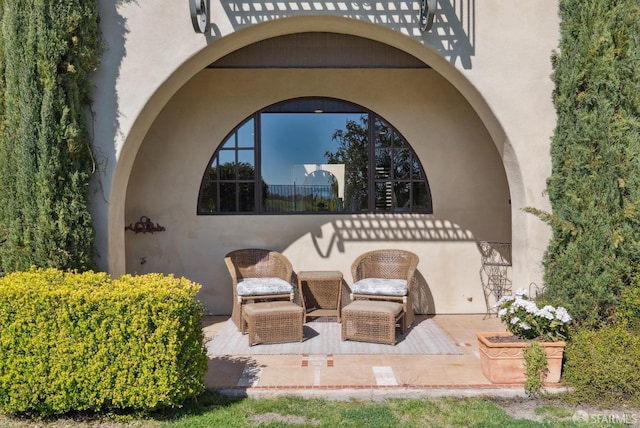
(427, 13)
(145, 225)
(199, 15)
(496, 260)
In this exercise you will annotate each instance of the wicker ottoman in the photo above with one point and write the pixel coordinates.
(273, 322)
(372, 321)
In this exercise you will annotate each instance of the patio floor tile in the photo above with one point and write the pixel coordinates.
(371, 375)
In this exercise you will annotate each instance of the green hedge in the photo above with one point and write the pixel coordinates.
(603, 366)
(49, 50)
(86, 342)
(628, 312)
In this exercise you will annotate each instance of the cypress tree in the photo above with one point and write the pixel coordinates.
(594, 189)
(48, 49)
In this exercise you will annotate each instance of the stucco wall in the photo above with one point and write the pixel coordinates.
(467, 179)
(494, 52)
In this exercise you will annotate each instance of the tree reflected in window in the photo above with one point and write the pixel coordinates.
(353, 152)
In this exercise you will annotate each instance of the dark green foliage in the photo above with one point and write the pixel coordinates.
(48, 49)
(628, 313)
(535, 366)
(595, 184)
(84, 342)
(603, 366)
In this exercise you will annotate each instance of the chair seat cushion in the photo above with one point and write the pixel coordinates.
(263, 287)
(380, 286)
(374, 306)
(280, 306)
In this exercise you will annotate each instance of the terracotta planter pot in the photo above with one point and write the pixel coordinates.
(503, 362)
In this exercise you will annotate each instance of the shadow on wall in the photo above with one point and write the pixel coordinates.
(326, 242)
(113, 28)
(387, 228)
(114, 31)
(452, 34)
(423, 302)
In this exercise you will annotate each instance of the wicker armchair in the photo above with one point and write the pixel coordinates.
(257, 275)
(385, 275)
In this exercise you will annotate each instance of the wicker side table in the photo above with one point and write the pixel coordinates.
(273, 322)
(320, 293)
(372, 321)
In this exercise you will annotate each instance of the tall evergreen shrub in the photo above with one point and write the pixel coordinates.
(594, 188)
(48, 48)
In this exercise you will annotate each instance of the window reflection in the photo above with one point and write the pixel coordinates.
(421, 197)
(246, 135)
(300, 164)
(227, 197)
(352, 150)
(209, 198)
(402, 164)
(246, 197)
(313, 156)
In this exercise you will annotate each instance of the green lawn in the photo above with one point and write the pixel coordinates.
(216, 411)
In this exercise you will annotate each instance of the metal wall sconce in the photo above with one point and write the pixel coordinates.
(145, 225)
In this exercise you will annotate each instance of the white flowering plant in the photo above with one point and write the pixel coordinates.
(523, 318)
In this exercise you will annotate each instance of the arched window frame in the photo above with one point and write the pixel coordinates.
(250, 191)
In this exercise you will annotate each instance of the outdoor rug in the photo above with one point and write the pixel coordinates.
(425, 338)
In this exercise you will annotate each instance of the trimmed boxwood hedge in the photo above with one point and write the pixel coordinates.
(603, 367)
(86, 342)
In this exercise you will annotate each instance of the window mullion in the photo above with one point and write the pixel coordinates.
(257, 152)
(371, 161)
(218, 186)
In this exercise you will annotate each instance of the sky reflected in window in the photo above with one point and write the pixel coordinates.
(290, 139)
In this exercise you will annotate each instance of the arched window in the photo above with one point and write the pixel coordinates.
(314, 155)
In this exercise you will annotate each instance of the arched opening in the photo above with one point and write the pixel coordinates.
(466, 178)
(465, 172)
